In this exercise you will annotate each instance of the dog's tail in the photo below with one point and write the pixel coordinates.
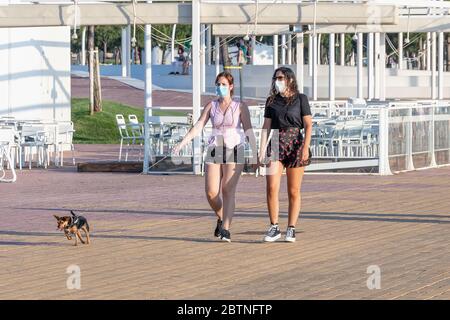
(87, 226)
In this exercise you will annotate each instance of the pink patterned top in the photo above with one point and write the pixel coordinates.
(227, 125)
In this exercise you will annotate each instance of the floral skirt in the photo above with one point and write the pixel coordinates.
(290, 148)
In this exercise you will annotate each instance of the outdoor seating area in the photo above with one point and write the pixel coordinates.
(164, 133)
(35, 143)
(343, 131)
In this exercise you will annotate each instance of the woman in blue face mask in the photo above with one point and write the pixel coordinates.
(286, 113)
(231, 125)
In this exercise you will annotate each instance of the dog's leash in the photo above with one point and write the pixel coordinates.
(163, 158)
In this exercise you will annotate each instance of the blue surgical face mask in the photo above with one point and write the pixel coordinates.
(221, 91)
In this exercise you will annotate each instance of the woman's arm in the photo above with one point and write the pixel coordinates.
(307, 124)
(264, 134)
(195, 130)
(248, 129)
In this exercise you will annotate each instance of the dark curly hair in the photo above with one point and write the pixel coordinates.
(291, 85)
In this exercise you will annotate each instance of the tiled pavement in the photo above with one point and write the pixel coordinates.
(152, 238)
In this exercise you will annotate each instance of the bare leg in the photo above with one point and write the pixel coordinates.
(273, 189)
(294, 182)
(212, 188)
(231, 173)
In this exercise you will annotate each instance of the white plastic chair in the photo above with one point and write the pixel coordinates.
(16, 150)
(33, 136)
(65, 138)
(7, 138)
(124, 135)
(137, 132)
(352, 138)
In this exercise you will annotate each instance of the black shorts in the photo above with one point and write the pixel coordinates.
(290, 148)
(222, 154)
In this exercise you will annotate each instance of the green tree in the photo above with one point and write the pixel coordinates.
(107, 35)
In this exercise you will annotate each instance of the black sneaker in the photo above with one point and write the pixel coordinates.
(218, 227)
(273, 234)
(290, 234)
(225, 235)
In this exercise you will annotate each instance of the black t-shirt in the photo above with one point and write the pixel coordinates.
(285, 116)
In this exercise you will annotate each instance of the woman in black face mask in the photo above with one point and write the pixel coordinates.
(287, 112)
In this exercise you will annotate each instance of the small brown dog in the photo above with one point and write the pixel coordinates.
(72, 226)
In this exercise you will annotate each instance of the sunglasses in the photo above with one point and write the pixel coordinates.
(279, 78)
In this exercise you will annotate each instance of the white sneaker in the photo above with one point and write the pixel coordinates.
(273, 234)
(290, 235)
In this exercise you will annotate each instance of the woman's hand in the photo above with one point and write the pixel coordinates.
(256, 165)
(305, 154)
(263, 161)
(176, 149)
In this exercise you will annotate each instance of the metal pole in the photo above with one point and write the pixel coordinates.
(289, 49)
(83, 46)
(196, 86)
(241, 86)
(283, 49)
(91, 80)
(441, 66)
(433, 66)
(428, 51)
(342, 46)
(359, 62)
(431, 135)
(377, 63)
(253, 49)
(275, 52)
(383, 166)
(409, 138)
(319, 42)
(128, 53)
(203, 58)
(370, 71)
(300, 61)
(208, 45)
(310, 55)
(172, 44)
(148, 95)
(400, 50)
(123, 53)
(217, 54)
(382, 66)
(314, 66)
(331, 78)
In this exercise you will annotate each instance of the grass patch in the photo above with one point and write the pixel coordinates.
(101, 127)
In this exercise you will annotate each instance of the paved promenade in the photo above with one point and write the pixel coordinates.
(117, 91)
(152, 238)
